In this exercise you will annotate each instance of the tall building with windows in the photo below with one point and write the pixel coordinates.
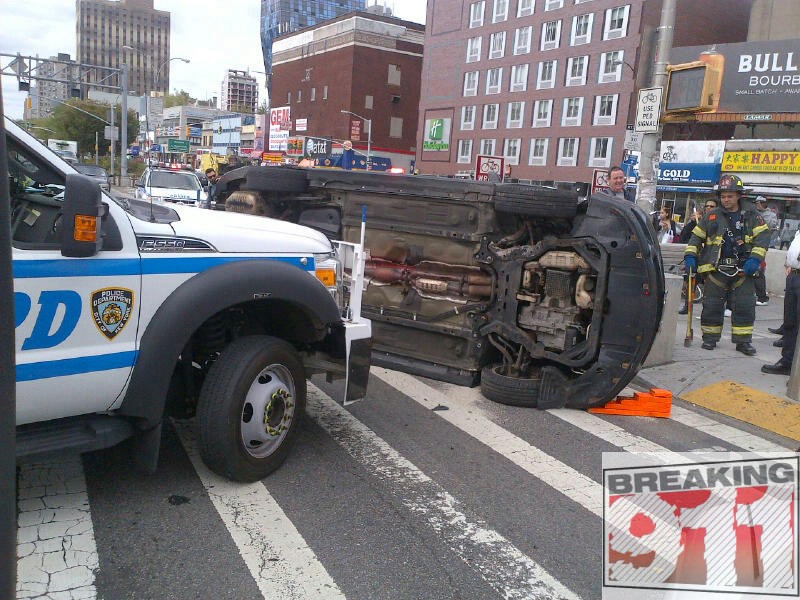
(281, 17)
(105, 26)
(548, 84)
(46, 95)
(239, 92)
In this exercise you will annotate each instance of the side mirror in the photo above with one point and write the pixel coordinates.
(82, 214)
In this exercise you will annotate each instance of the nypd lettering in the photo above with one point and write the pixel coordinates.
(111, 310)
(47, 333)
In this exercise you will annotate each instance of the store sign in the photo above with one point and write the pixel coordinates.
(758, 77)
(317, 147)
(689, 166)
(437, 135)
(278, 141)
(761, 162)
(280, 118)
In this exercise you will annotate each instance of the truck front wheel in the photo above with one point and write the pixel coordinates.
(250, 408)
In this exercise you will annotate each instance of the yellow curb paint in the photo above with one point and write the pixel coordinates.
(749, 405)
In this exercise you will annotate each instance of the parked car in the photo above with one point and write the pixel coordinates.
(545, 299)
(170, 185)
(97, 173)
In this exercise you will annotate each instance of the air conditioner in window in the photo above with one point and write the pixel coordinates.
(609, 77)
(549, 45)
(580, 39)
(574, 81)
(571, 122)
(614, 34)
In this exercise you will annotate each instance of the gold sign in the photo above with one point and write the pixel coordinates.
(761, 162)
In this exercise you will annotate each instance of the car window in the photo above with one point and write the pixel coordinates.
(174, 180)
(93, 170)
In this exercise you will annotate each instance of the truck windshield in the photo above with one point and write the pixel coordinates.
(174, 180)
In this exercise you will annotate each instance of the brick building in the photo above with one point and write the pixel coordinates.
(364, 63)
(549, 84)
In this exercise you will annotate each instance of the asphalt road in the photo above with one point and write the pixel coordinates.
(422, 491)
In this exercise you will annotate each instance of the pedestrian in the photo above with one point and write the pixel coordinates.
(685, 235)
(786, 235)
(791, 309)
(727, 247)
(760, 280)
(211, 192)
(666, 229)
(616, 185)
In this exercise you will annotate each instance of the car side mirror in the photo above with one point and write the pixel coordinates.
(82, 214)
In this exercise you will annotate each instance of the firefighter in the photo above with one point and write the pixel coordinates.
(727, 247)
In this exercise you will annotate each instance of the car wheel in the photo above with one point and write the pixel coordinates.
(513, 391)
(276, 179)
(250, 408)
(535, 202)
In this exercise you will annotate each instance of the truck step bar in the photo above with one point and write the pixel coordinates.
(82, 434)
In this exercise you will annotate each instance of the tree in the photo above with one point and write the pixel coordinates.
(70, 121)
(179, 98)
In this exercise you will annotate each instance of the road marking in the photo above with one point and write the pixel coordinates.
(504, 567)
(750, 405)
(56, 550)
(278, 558)
(467, 416)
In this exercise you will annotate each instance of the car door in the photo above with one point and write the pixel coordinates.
(75, 318)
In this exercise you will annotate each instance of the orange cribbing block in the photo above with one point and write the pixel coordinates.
(656, 403)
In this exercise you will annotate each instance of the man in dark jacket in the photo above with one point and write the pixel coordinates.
(727, 247)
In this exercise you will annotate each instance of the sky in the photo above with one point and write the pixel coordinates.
(215, 35)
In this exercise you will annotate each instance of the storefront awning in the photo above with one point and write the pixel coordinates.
(772, 190)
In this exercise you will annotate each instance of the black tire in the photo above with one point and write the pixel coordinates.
(534, 201)
(256, 380)
(513, 391)
(276, 179)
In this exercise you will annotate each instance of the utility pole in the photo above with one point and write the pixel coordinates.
(646, 187)
(113, 139)
(123, 73)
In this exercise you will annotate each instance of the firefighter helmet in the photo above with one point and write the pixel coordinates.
(730, 183)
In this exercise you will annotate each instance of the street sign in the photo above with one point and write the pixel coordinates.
(489, 168)
(648, 110)
(599, 180)
(178, 146)
(633, 140)
(111, 133)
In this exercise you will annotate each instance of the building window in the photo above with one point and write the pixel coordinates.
(577, 68)
(524, 8)
(313, 94)
(464, 151)
(542, 113)
(537, 156)
(605, 110)
(394, 75)
(551, 35)
(519, 78)
(396, 127)
(547, 75)
(515, 113)
(474, 49)
(299, 96)
(490, 113)
(572, 112)
(568, 152)
(488, 147)
(522, 40)
(610, 67)
(467, 118)
(497, 46)
(511, 151)
(494, 77)
(471, 83)
(616, 25)
(553, 4)
(600, 151)
(289, 98)
(476, 10)
(368, 101)
(325, 92)
(500, 11)
(581, 30)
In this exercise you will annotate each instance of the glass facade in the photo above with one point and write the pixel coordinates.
(279, 17)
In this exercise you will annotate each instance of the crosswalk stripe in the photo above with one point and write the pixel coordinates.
(56, 550)
(571, 483)
(504, 567)
(280, 561)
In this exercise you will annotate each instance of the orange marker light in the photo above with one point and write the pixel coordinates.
(85, 228)
(327, 276)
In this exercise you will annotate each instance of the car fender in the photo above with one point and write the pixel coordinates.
(196, 300)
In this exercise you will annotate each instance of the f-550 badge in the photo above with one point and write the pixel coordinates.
(111, 309)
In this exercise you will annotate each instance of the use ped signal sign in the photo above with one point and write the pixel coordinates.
(730, 525)
(648, 109)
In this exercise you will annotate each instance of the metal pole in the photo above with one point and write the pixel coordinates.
(124, 144)
(646, 187)
(369, 144)
(113, 146)
(97, 147)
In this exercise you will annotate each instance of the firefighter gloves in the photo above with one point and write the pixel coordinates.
(752, 265)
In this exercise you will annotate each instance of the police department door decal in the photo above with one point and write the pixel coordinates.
(111, 309)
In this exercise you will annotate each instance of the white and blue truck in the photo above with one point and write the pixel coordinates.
(129, 311)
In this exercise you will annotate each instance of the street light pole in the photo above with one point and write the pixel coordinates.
(124, 143)
(369, 136)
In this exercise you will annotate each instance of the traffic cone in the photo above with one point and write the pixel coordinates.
(655, 403)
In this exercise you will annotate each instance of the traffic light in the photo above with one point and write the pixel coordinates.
(188, 132)
(693, 87)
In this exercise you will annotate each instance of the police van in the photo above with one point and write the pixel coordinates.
(128, 311)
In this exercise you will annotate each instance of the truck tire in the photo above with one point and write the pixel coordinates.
(535, 202)
(276, 179)
(250, 408)
(513, 391)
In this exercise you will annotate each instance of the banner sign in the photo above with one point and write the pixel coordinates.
(316, 147)
(701, 522)
(757, 77)
(689, 166)
(437, 135)
(278, 141)
(280, 118)
(762, 162)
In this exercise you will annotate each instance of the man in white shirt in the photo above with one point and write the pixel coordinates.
(791, 310)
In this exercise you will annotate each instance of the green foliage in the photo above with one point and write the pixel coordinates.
(181, 98)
